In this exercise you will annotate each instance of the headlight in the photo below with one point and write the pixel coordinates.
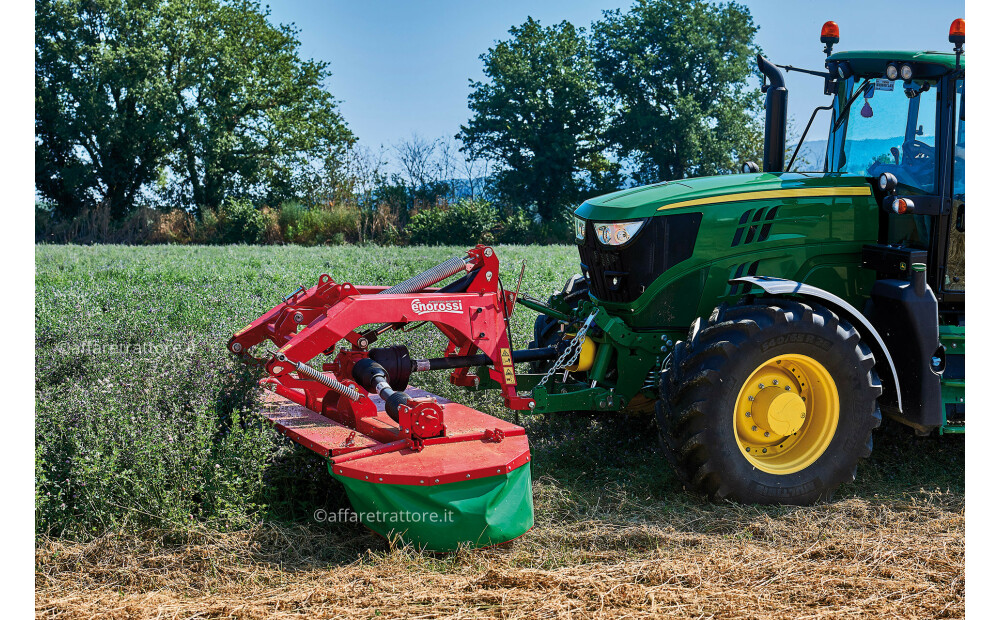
(891, 71)
(617, 233)
(580, 228)
(906, 72)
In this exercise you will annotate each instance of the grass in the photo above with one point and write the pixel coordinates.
(159, 493)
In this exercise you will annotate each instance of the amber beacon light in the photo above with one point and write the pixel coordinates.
(956, 34)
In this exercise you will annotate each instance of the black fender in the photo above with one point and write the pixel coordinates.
(782, 287)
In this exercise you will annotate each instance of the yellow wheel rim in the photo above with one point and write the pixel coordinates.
(786, 414)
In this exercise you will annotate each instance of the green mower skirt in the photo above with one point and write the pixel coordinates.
(482, 512)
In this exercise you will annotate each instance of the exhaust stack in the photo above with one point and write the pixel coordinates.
(775, 116)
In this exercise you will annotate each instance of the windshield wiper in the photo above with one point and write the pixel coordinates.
(847, 106)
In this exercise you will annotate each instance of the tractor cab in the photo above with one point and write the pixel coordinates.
(898, 119)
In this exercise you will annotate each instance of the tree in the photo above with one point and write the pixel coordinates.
(537, 116)
(203, 97)
(254, 118)
(103, 108)
(416, 157)
(676, 74)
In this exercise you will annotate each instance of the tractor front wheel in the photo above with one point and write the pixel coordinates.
(773, 402)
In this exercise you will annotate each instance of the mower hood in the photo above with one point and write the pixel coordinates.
(697, 194)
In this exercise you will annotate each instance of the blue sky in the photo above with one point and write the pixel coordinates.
(403, 67)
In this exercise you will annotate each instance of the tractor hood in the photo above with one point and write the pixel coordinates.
(697, 194)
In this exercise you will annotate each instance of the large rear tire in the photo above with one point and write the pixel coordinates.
(773, 402)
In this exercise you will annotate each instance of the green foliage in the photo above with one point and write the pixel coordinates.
(104, 104)
(466, 223)
(142, 417)
(240, 222)
(317, 226)
(537, 116)
(677, 75)
(210, 91)
(255, 119)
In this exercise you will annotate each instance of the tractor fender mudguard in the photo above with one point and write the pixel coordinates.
(782, 287)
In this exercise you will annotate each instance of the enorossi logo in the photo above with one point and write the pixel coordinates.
(423, 307)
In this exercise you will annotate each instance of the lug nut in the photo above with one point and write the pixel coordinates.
(775, 382)
(764, 450)
(298, 317)
(767, 434)
(787, 388)
(747, 414)
(760, 386)
(753, 428)
(750, 397)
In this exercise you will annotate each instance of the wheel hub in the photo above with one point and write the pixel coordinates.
(786, 413)
(779, 411)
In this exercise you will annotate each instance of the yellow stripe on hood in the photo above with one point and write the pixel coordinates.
(774, 193)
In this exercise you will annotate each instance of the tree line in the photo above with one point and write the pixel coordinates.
(190, 103)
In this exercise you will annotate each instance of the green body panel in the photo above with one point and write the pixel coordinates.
(873, 62)
(813, 239)
(952, 390)
(486, 511)
(640, 202)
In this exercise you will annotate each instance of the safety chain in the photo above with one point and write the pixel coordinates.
(573, 350)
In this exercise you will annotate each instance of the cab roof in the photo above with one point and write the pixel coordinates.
(871, 63)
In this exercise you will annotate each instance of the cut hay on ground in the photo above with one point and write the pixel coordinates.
(851, 559)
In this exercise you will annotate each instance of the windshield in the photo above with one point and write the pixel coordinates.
(889, 127)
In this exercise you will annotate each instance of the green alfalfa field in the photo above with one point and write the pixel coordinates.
(160, 493)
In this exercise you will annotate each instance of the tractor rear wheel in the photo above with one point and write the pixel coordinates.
(773, 402)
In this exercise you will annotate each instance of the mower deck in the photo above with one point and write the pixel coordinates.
(472, 485)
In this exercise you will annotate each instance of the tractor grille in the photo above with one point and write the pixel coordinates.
(622, 273)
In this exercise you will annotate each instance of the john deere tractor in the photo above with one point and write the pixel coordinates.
(773, 317)
(769, 318)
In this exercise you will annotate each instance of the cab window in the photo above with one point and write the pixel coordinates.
(889, 127)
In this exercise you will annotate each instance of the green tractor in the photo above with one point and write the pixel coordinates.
(771, 318)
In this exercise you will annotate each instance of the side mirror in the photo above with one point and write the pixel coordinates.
(960, 217)
(920, 130)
